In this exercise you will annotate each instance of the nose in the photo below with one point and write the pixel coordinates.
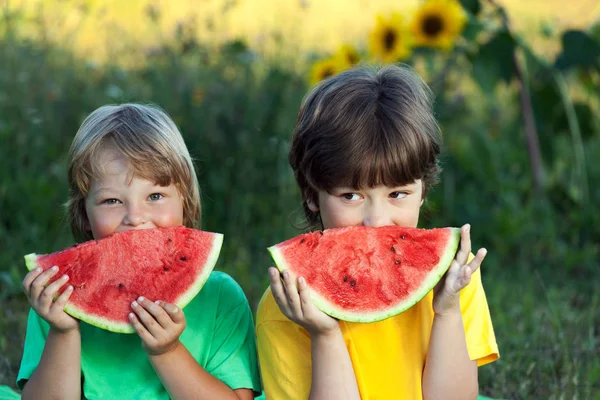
(135, 216)
(376, 214)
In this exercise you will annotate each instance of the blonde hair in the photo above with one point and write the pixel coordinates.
(365, 127)
(152, 144)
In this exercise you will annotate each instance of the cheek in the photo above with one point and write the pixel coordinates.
(336, 215)
(170, 215)
(410, 215)
(102, 224)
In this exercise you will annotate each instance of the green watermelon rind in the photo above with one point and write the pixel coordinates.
(427, 285)
(122, 327)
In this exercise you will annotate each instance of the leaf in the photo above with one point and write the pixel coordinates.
(494, 60)
(472, 29)
(594, 31)
(579, 49)
(472, 6)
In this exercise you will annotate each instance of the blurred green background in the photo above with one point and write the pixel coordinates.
(518, 99)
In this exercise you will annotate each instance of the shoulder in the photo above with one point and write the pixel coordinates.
(221, 282)
(268, 310)
(222, 291)
(473, 297)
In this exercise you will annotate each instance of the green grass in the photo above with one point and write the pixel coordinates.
(548, 338)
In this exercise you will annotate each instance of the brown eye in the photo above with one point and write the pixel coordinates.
(398, 195)
(350, 196)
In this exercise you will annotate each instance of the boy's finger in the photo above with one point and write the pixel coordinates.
(308, 307)
(173, 311)
(146, 319)
(157, 312)
(278, 290)
(465, 245)
(304, 292)
(29, 278)
(465, 277)
(49, 293)
(477, 260)
(140, 329)
(39, 284)
(292, 293)
(62, 300)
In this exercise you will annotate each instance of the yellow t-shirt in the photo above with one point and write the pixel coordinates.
(388, 356)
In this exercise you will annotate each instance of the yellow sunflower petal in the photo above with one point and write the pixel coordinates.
(324, 69)
(390, 41)
(438, 23)
(348, 56)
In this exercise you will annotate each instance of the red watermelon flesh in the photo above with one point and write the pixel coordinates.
(365, 274)
(169, 264)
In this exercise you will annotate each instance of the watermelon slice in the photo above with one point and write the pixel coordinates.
(170, 264)
(364, 274)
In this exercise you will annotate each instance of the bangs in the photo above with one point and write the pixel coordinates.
(380, 155)
(145, 161)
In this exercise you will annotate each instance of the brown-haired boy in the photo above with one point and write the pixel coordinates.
(364, 152)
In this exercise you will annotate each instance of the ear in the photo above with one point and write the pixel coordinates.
(312, 206)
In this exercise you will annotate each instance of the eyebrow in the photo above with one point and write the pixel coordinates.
(101, 189)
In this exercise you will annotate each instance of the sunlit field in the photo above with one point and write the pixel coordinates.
(102, 30)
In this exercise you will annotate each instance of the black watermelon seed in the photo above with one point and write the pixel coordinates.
(393, 249)
(346, 278)
(121, 286)
(397, 262)
(169, 240)
(403, 236)
(302, 240)
(165, 268)
(182, 258)
(353, 283)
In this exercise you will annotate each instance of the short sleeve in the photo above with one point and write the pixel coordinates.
(35, 340)
(232, 358)
(284, 353)
(479, 332)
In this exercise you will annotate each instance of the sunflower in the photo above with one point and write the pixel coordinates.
(437, 23)
(348, 56)
(324, 69)
(390, 41)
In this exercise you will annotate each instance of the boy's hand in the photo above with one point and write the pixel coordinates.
(158, 324)
(295, 303)
(447, 291)
(42, 298)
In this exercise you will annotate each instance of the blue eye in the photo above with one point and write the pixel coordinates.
(110, 201)
(155, 196)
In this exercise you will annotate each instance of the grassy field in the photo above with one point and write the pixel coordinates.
(236, 110)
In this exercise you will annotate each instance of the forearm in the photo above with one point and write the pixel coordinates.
(58, 375)
(449, 373)
(195, 383)
(332, 372)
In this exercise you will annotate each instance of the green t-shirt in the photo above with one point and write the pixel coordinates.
(219, 334)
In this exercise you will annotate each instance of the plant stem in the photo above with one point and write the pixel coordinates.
(529, 126)
(575, 129)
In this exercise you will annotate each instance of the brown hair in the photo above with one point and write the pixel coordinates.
(152, 144)
(363, 128)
